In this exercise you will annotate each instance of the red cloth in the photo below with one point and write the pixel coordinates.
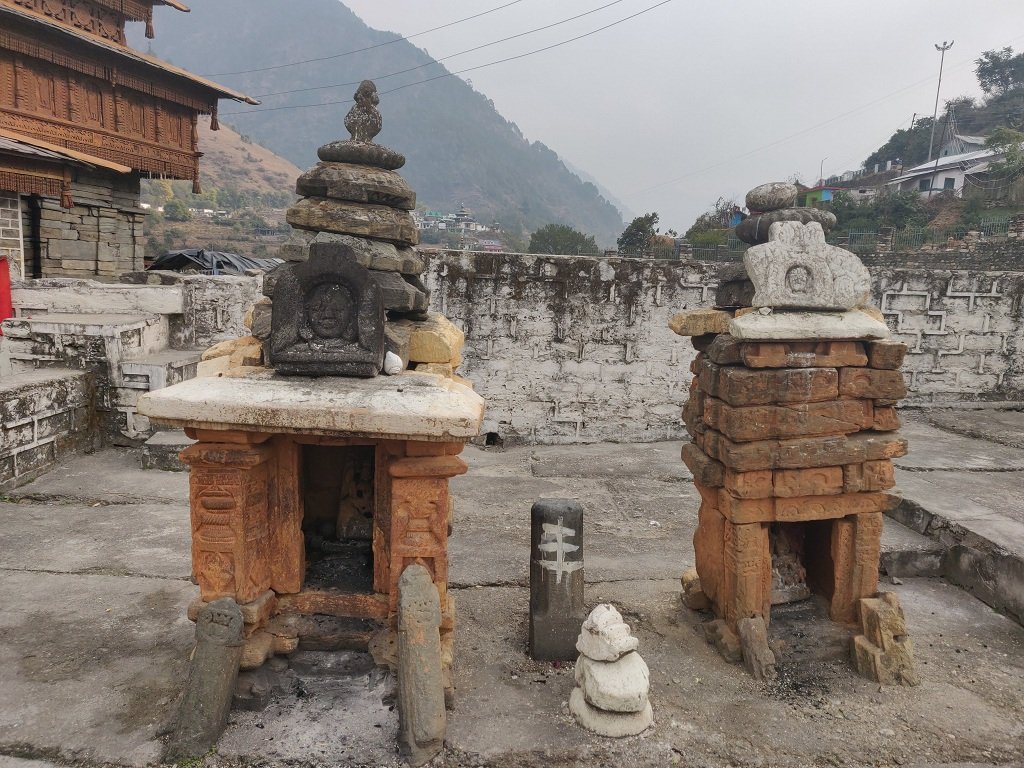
(6, 307)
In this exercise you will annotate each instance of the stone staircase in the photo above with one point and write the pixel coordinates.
(131, 337)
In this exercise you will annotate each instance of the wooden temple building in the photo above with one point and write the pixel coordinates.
(83, 117)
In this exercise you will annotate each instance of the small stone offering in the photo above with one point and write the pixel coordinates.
(612, 685)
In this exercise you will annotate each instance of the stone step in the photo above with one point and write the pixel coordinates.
(64, 296)
(907, 553)
(81, 340)
(161, 451)
(160, 369)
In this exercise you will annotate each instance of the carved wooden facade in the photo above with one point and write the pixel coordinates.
(68, 78)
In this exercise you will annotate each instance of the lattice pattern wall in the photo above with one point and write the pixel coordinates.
(575, 349)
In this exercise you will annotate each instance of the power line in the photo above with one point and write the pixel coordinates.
(444, 58)
(369, 47)
(463, 71)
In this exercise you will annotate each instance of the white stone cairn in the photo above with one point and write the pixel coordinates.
(612, 680)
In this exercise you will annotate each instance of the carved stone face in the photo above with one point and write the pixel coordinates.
(330, 312)
(798, 279)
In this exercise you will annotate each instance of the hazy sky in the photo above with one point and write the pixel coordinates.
(698, 99)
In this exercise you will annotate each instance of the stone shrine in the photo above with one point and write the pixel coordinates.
(794, 427)
(352, 262)
(319, 490)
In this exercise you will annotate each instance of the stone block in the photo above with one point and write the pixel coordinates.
(372, 254)
(804, 452)
(800, 326)
(614, 725)
(875, 475)
(434, 340)
(376, 221)
(356, 183)
(693, 595)
(886, 418)
(604, 636)
(872, 383)
(886, 355)
(803, 354)
(884, 652)
(724, 350)
(749, 485)
(816, 481)
(742, 386)
(614, 686)
(764, 422)
(398, 294)
(706, 471)
(698, 322)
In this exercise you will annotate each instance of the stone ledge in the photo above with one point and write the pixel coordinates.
(409, 406)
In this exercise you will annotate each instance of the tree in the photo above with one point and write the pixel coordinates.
(1011, 144)
(176, 210)
(637, 235)
(561, 238)
(1000, 71)
(712, 227)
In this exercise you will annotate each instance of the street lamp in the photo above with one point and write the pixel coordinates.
(935, 115)
(821, 168)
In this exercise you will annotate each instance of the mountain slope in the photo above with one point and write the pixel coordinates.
(459, 150)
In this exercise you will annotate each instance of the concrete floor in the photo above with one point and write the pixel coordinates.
(94, 642)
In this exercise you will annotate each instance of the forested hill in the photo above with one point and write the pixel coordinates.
(459, 150)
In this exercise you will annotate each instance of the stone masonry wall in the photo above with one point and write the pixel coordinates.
(44, 416)
(100, 237)
(10, 232)
(575, 349)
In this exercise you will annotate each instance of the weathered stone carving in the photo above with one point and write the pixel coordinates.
(363, 121)
(755, 228)
(328, 320)
(211, 681)
(797, 269)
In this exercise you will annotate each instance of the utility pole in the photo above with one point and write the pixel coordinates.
(935, 115)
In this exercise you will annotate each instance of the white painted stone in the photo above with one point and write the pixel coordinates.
(605, 636)
(615, 725)
(614, 686)
(392, 364)
(90, 296)
(797, 269)
(795, 326)
(410, 406)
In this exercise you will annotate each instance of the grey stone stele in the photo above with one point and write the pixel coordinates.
(758, 658)
(421, 713)
(797, 269)
(328, 319)
(211, 680)
(556, 578)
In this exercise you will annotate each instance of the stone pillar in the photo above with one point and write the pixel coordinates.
(421, 698)
(229, 499)
(211, 681)
(556, 578)
(288, 565)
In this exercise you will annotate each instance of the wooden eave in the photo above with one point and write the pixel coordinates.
(173, 4)
(128, 55)
(71, 156)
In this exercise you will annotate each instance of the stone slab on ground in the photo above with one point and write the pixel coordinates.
(612, 461)
(107, 477)
(908, 553)
(933, 448)
(998, 426)
(90, 666)
(116, 540)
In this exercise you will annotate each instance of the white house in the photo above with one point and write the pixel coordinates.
(944, 173)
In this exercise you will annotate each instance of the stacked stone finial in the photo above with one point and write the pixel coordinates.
(776, 202)
(350, 300)
(612, 680)
(793, 424)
